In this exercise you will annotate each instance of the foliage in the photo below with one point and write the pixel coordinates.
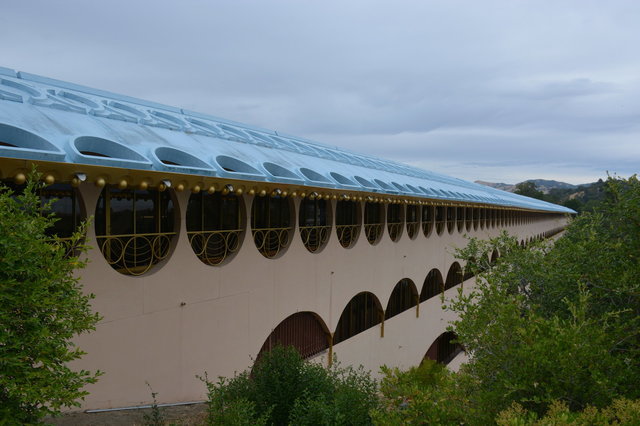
(42, 307)
(284, 389)
(529, 189)
(426, 394)
(556, 322)
(620, 412)
(155, 417)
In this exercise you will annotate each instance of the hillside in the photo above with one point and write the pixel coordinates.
(578, 197)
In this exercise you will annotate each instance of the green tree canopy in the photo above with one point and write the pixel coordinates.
(42, 307)
(529, 189)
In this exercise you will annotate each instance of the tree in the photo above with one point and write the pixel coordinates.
(557, 322)
(42, 307)
(551, 330)
(529, 189)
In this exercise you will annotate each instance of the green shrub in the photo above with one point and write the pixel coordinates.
(284, 389)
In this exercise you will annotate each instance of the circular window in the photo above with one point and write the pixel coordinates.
(413, 220)
(460, 218)
(395, 221)
(451, 219)
(214, 226)
(373, 221)
(347, 222)
(427, 220)
(271, 224)
(314, 223)
(441, 219)
(134, 228)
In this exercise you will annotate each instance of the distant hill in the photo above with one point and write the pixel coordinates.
(578, 197)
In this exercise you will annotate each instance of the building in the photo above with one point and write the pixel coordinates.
(214, 240)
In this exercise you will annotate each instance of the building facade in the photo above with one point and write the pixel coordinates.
(213, 240)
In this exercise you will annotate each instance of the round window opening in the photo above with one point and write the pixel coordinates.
(348, 222)
(215, 226)
(135, 228)
(271, 224)
(315, 223)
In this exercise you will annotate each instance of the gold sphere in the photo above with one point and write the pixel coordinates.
(294, 194)
(334, 197)
(180, 187)
(122, 184)
(49, 179)
(263, 193)
(195, 189)
(303, 194)
(252, 191)
(100, 182)
(20, 178)
(239, 191)
(143, 185)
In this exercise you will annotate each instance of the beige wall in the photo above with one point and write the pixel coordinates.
(185, 318)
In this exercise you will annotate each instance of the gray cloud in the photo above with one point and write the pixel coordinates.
(509, 90)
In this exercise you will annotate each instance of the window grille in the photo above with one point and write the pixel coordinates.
(427, 220)
(413, 220)
(460, 218)
(134, 228)
(347, 222)
(395, 221)
(214, 226)
(314, 223)
(441, 219)
(433, 285)
(373, 222)
(403, 297)
(271, 224)
(361, 313)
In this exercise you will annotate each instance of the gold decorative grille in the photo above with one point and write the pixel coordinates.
(441, 219)
(315, 226)
(214, 226)
(451, 219)
(373, 222)
(427, 220)
(134, 228)
(413, 221)
(347, 222)
(395, 221)
(271, 224)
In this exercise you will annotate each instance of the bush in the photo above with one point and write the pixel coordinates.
(284, 389)
(42, 308)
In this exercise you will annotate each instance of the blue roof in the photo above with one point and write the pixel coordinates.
(51, 120)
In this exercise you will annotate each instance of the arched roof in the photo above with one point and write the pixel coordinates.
(59, 121)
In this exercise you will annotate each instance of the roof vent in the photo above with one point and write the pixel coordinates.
(313, 175)
(175, 157)
(366, 183)
(94, 150)
(279, 171)
(343, 180)
(233, 165)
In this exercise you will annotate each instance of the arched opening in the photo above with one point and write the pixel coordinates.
(433, 285)
(305, 331)
(427, 220)
(444, 349)
(214, 226)
(347, 222)
(413, 220)
(134, 228)
(441, 219)
(314, 223)
(469, 218)
(373, 221)
(404, 296)
(395, 221)
(454, 276)
(361, 313)
(494, 256)
(271, 224)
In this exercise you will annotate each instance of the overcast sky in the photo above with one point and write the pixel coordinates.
(495, 90)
